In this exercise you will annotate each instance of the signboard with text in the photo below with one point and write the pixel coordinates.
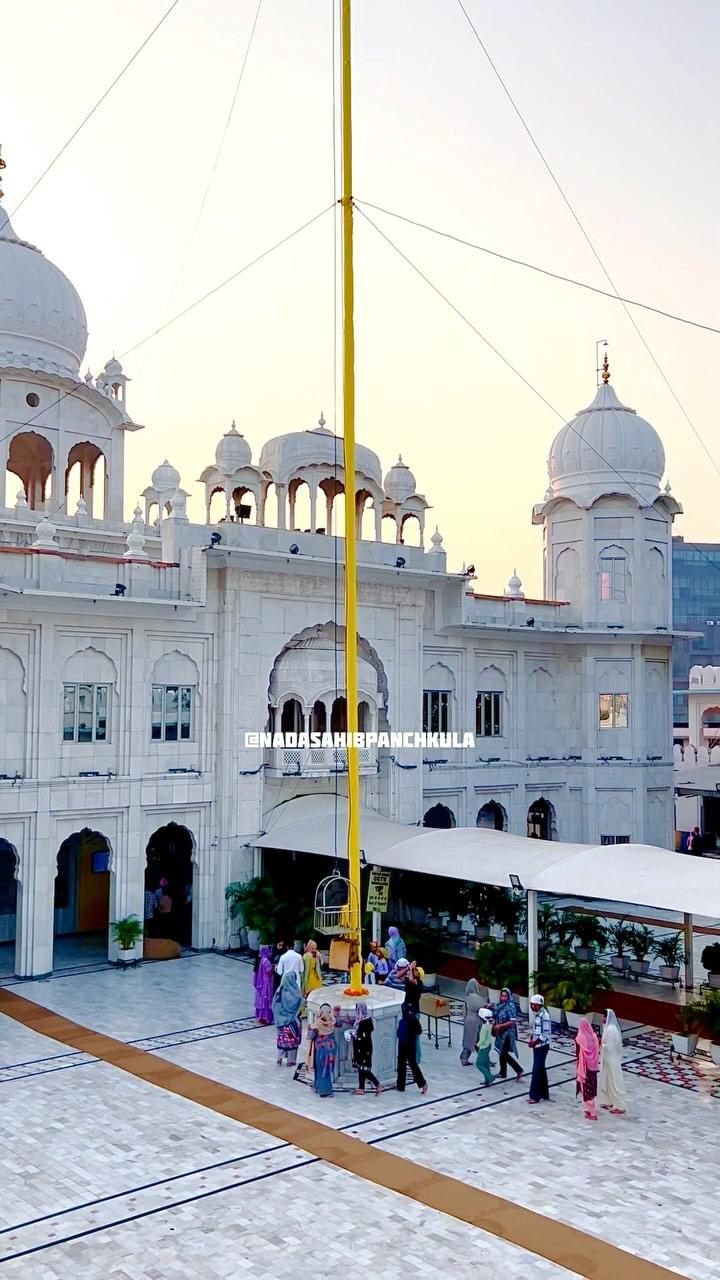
(378, 890)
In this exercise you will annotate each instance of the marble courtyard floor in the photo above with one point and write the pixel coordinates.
(158, 1140)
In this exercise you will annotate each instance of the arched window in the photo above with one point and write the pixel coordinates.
(338, 716)
(291, 719)
(492, 815)
(363, 717)
(439, 816)
(318, 721)
(541, 820)
(614, 579)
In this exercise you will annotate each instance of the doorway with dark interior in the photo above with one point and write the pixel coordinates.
(169, 878)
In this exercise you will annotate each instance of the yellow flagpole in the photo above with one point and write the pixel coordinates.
(351, 682)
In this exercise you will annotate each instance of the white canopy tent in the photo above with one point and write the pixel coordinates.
(627, 873)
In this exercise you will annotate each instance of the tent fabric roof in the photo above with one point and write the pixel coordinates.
(630, 873)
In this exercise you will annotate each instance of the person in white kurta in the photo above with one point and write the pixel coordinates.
(612, 1085)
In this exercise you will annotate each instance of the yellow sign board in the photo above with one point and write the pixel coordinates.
(378, 890)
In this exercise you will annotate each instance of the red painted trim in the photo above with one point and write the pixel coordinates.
(81, 555)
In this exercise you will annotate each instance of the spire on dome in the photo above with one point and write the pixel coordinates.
(321, 419)
(605, 369)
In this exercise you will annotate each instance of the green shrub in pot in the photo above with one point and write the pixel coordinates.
(711, 961)
(669, 950)
(641, 943)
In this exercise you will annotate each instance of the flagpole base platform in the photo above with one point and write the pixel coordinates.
(384, 1006)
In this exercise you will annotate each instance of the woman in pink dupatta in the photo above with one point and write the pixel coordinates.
(263, 984)
(587, 1052)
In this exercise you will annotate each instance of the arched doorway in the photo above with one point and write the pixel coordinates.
(169, 859)
(492, 815)
(82, 897)
(439, 816)
(8, 906)
(541, 820)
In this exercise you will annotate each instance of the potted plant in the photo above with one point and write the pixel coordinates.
(642, 941)
(701, 1018)
(670, 951)
(710, 1019)
(423, 945)
(482, 902)
(591, 935)
(620, 933)
(510, 914)
(564, 928)
(254, 902)
(546, 925)
(711, 961)
(685, 1042)
(503, 964)
(127, 933)
(573, 987)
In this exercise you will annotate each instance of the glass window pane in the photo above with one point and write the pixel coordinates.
(185, 712)
(157, 705)
(605, 703)
(85, 713)
(101, 703)
(69, 691)
(496, 714)
(620, 710)
(171, 713)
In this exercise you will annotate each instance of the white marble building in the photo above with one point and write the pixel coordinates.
(133, 657)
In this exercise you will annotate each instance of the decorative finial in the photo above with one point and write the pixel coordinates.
(232, 426)
(667, 487)
(605, 370)
(321, 419)
(2, 166)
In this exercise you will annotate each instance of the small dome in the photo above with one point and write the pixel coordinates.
(233, 452)
(113, 368)
(514, 589)
(399, 482)
(42, 320)
(165, 478)
(284, 456)
(607, 448)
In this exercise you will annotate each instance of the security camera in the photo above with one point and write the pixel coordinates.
(294, 549)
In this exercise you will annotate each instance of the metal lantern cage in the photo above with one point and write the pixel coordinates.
(337, 908)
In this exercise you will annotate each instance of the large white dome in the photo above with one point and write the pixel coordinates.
(607, 448)
(42, 320)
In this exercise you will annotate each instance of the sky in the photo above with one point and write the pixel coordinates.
(622, 100)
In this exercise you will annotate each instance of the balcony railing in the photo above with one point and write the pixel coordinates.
(309, 760)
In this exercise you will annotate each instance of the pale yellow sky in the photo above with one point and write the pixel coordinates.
(621, 98)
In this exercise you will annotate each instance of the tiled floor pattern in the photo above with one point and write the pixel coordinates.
(642, 1170)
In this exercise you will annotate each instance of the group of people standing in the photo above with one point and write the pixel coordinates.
(273, 965)
(598, 1064)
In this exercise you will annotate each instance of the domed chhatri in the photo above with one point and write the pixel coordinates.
(285, 457)
(399, 482)
(42, 320)
(606, 448)
(513, 590)
(233, 451)
(165, 478)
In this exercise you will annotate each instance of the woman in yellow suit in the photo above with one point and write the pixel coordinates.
(312, 972)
